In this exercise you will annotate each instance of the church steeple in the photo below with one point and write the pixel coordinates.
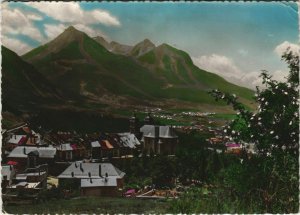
(149, 120)
(134, 124)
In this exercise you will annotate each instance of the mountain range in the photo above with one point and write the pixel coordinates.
(75, 67)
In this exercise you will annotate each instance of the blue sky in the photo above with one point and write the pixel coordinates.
(235, 40)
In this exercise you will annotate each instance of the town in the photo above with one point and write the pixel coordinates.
(36, 161)
(150, 108)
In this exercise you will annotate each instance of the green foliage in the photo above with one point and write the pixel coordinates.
(266, 182)
(69, 184)
(148, 170)
(29, 86)
(163, 171)
(70, 52)
(271, 176)
(91, 205)
(149, 57)
(274, 126)
(35, 52)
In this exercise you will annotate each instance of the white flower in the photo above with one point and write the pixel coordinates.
(225, 130)
(271, 132)
(286, 93)
(259, 118)
(262, 99)
(291, 122)
(233, 131)
(234, 95)
(276, 137)
(266, 103)
(223, 96)
(252, 135)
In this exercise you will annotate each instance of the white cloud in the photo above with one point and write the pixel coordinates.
(226, 68)
(15, 22)
(218, 64)
(281, 48)
(280, 75)
(53, 31)
(90, 31)
(34, 17)
(71, 12)
(17, 46)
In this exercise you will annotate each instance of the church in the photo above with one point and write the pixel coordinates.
(155, 139)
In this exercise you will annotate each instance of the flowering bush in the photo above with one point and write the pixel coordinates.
(271, 177)
(274, 125)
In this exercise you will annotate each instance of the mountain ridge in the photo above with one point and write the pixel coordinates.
(148, 74)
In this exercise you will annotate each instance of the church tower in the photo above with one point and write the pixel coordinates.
(148, 120)
(134, 125)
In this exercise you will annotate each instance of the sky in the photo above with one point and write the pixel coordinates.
(233, 39)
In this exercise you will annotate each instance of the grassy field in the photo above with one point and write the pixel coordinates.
(224, 116)
(89, 205)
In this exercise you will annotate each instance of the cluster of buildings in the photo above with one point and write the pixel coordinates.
(78, 160)
(199, 114)
(230, 146)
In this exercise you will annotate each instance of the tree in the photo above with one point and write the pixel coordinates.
(274, 126)
(162, 171)
(271, 175)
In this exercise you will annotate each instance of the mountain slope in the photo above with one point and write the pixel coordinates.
(82, 66)
(114, 47)
(22, 85)
(177, 67)
(147, 75)
(142, 48)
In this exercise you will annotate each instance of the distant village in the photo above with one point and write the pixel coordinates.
(34, 161)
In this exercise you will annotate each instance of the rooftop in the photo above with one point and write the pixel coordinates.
(91, 170)
(44, 152)
(129, 140)
(164, 131)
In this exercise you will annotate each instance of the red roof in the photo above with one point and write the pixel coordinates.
(22, 140)
(74, 146)
(12, 163)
